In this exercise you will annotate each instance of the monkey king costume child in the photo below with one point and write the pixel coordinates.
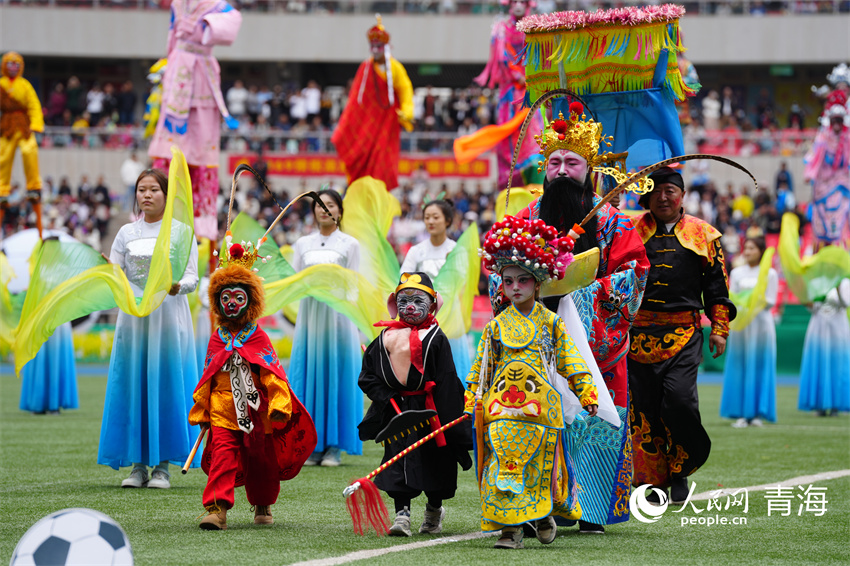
(409, 367)
(260, 433)
(523, 387)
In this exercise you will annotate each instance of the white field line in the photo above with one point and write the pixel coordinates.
(374, 553)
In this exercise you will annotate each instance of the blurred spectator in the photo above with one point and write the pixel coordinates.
(56, 105)
(79, 128)
(796, 115)
(729, 106)
(784, 177)
(278, 105)
(297, 107)
(743, 205)
(237, 97)
(64, 187)
(764, 110)
(264, 96)
(785, 201)
(312, 100)
(102, 203)
(126, 104)
(131, 168)
(711, 111)
(94, 103)
(110, 102)
(76, 97)
(84, 189)
(253, 107)
(467, 127)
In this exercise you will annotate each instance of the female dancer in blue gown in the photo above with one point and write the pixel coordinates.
(153, 370)
(749, 376)
(326, 356)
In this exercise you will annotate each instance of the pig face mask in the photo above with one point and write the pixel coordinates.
(413, 305)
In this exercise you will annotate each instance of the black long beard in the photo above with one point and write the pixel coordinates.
(566, 202)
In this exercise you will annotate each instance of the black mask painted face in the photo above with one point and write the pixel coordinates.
(233, 301)
(413, 305)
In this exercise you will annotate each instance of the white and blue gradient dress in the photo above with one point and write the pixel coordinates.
(749, 376)
(153, 369)
(49, 381)
(825, 371)
(427, 258)
(326, 357)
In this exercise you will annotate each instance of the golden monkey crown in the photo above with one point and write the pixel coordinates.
(244, 254)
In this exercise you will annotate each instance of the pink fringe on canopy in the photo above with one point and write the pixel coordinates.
(631, 16)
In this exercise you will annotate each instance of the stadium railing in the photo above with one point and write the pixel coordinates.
(785, 142)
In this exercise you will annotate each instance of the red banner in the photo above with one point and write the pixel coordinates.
(329, 165)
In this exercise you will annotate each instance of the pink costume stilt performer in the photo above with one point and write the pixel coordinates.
(192, 103)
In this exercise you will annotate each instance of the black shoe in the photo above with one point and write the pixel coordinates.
(678, 490)
(590, 528)
(561, 522)
(653, 499)
(528, 530)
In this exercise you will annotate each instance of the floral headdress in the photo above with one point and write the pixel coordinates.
(529, 244)
(244, 253)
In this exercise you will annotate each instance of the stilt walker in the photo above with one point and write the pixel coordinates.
(192, 105)
(20, 119)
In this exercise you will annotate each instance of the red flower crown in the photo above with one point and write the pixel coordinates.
(529, 244)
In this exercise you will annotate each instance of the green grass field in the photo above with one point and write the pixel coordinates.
(47, 463)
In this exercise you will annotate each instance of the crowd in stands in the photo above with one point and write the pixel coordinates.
(84, 211)
(292, 118)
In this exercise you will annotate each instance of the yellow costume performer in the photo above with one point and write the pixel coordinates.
(525, 369)
(20, 116)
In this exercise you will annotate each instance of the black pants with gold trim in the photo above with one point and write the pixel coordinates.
(667, 434)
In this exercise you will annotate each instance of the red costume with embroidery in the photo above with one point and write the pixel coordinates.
(261, 434)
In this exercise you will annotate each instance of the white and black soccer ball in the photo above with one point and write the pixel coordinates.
(74, 536)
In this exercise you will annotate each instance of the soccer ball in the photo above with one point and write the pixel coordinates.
(74, 536)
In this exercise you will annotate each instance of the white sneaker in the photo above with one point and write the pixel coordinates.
(159, 480)
(756, 422)
(401, 525)
(511, 538)
(137, 478)
(547, 530)
(432, 523)
(740, 423)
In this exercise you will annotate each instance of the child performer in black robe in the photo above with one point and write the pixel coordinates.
(411, 363)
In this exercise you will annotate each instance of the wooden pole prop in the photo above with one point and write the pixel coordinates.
(191, 457)
(369, 502)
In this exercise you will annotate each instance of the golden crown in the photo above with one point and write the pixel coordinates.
(378, 33)
(244, 254)
(578, 134)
